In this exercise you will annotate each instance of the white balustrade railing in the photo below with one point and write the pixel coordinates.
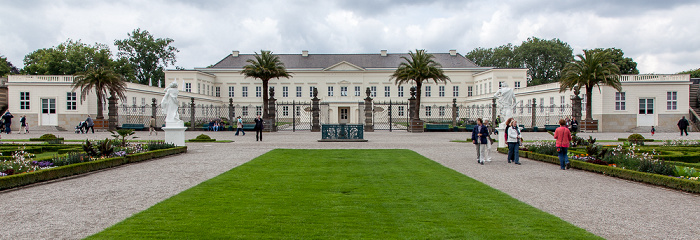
(655, 78)
(41, 78)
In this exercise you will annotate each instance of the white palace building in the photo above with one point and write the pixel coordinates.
(341, 80)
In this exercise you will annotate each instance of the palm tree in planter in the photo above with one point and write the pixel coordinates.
(419, 67)
(590, 70)
(103, 81)
(265, 66)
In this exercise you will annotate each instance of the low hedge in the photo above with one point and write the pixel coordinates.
(23, 179)
(202, 140)
(654, 179)
(641, 140)
(43, 140)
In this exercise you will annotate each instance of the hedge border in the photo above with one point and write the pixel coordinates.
(649, 178)
(202, 140)
(24, 179)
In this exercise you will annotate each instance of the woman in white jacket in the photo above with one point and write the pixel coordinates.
(513, 140)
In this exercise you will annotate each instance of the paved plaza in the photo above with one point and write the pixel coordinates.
(612, 208)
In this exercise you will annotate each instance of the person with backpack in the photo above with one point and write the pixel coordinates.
(239, 126)
(7, 117)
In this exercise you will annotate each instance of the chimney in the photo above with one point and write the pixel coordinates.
(453, 52)
(383, 53)
(234, 53)
(305, 53)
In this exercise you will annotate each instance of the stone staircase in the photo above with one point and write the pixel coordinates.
(694, 106)
(47, 129)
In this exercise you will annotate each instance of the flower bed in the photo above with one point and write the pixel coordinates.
(679, 183)
(27, 178)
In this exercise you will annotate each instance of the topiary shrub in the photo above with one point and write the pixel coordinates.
(47, 136)
(636, 138)
(202, 138)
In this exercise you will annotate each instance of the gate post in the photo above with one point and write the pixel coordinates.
(534, 113)
(369, 110)
(231, 114)
(271, 111)
(390, 119)
(192, 121)
(112, 112)
(576, 108)
(294, 116)
(454, 113)
(315, 112)
(493, 111)
(154, 109)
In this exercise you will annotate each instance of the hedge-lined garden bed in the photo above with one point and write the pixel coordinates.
(23, 179)
(650, 178)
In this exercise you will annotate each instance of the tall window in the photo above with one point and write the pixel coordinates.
(427, 91)
(199, 88)
(470, 91)
(387, 91)
(428, 110)
(401, 110)
(357, 91)
(71, 101)
(311, 91)
(373, 91)
(563, 102)
(208, 93)
(218, 91)
(500, 84)
(477, 89)
(517, 84)
(231, 91)
(441, 111)
(258, 110)
(343, 91)
(489, 87)
(285, 110)
(244, 110)
(551, 104)
(298, 91)
(400, 91)
(258, 91)
(133, 101)
(188, 87)
(244, 92)
(285, 92)
(441, 91)
(330, 91)
(541, 104)
(671, 100)
(455, 91)
(298, 111)
(620, 101)
(529, 105)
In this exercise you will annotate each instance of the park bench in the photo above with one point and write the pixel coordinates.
(469, 127)
(437, 127)
(135, 126)
(248, 126)
(550, 128)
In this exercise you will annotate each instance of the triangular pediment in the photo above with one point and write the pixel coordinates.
(344, 66)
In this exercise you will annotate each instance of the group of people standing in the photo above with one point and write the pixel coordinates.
(259, 126)
(513, 136)
(6, 123)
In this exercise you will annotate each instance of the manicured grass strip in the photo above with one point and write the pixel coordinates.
(342, 194)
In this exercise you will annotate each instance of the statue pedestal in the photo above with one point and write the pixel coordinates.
(175, 133)
(501, 137)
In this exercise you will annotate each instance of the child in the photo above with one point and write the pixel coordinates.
(653, 130)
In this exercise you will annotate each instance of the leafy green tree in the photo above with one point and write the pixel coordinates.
(500, 57)
(626, 65)
(6, 67)
(593, 68)
(67, 58)
(419, 67)
(147, 55)
(102, 80)
(544, 59)
(265, 66)
(694, 73)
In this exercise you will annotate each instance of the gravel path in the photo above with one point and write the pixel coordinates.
(609, 207)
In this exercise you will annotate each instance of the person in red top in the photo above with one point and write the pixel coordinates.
(563, 137)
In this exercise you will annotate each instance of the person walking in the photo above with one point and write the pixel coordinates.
(653, 130)
(23, 124)
(563, 137)
(574, 125)
(7, 117)
(683, 125)
(152, 126)
(513, 137)
(491, 129)
(89, 124)
(258, 128)
(239, 126)
(479, 137)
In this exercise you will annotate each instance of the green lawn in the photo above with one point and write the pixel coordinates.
(342, 194)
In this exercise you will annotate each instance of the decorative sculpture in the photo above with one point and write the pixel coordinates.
(506, 102)
(170, 106)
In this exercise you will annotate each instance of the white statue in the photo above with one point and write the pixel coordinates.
(170, 105)
(506, 102)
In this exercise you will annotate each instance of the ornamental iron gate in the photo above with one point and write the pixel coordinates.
(293, 116)
(388, 115)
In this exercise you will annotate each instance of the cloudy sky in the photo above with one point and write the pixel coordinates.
(661, 36)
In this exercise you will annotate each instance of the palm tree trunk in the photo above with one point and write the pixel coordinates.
(589, 106)
(265, 98)
(419, 87)
(99, 108)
